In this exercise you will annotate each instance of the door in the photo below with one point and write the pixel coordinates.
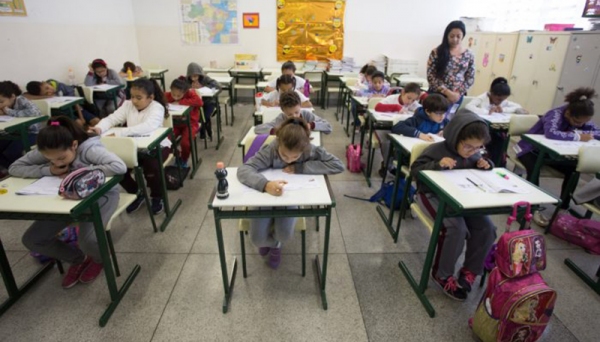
(504, 55)
(526, 57)
(579, 67)
(483, 64)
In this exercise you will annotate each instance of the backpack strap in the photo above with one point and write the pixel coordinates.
(257, 143)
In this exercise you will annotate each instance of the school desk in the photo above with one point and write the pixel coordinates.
(106, 91)
(158, 74)
(213, 96)
(268, 114)
(377, 121)
(403, 80)
(64, 105)
(334, 77)
(55, 208)
(182, 115)
(253, 74)
(356, 103)
(149, 147)
(345, 92)
(315, 139)
(498, 123)
(226, 84)
(18, 129)
(244, 204)
(455, 202)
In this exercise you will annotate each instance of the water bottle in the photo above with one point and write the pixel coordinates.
(222, 184)
(71, 77)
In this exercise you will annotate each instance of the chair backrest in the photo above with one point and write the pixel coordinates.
(374, 101)
(88, 94)
(270, 113)
(521, 123)
(125, 148)
(588, 161)
(43, 106)
(250, 140)
(417, 150)
(350, 82)
(314, 77)
(466, 100)
(168, 121)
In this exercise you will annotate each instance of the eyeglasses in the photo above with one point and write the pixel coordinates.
(470, 148)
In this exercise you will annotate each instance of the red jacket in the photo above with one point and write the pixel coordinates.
(191, 99)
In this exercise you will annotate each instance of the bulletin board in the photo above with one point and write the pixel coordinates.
(310, 29)
(13, 8)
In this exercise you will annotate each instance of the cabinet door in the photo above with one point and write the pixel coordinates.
(483, 64)
(547, 72)
(596, 86)
(504, 55)
(526, 57)
(579, 66)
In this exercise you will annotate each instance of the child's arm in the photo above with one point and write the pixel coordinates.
(90, 79)
(407, 127)
(316, 122)
(269, 127)
(37, 97)
(26, 109)
(209, 82)
(321, 163)
(191, 99)
(248, 174)
(306, 104)
(305, 101)
(510, 107)
(551, 124)
(476, 106)
(152, 122)
(31, 165)
(102, 159)
(117, 118)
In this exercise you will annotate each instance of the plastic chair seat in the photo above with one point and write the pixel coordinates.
(590, 207)
(125, 200)
(422, 216)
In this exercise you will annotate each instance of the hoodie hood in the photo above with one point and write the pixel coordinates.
(458, 122)
(194, 69)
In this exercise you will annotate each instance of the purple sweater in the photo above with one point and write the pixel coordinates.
(554, 126)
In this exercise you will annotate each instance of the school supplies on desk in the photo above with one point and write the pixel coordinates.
(479, 181)
(46, 186)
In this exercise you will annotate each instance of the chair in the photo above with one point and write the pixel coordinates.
(244, 224)
(466, 100)
(315, 78)
(374, 143)
(418, 211)
(240, 86)
(43, 106)
(588, 162)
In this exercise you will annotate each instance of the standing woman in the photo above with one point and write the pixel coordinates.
(451, 67)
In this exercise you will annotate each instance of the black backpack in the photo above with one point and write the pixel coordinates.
(174, 178)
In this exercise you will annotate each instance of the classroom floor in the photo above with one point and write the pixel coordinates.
(178, 294)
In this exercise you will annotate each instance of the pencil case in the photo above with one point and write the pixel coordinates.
(81, 183)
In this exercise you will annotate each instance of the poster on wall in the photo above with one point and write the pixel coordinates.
(14, 8)
(310, 29)
(209, 22)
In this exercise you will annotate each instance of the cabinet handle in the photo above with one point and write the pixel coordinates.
(560, 88)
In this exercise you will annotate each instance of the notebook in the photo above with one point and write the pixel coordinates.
(45, 186)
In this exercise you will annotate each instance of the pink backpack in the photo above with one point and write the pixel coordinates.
(513, 310)
(581, 232)
(353, 158)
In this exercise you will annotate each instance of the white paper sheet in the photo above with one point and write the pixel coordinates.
(6, 118)
(43, 186)
(436, 138)
(177, 108)
(205, 91)
(103, 87)
(294, 181)
(478, 181)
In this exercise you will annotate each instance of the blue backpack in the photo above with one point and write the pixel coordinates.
(384, 195)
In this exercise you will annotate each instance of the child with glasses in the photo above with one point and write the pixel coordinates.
(465, 135)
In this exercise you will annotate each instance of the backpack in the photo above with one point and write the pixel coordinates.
(385, 193)
(513, 309)
(353, 158)
(581, 232)
(173, 178)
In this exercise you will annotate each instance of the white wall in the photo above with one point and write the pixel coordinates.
(60, 34)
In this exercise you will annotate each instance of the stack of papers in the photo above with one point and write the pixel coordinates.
(400, 66)
(479, 181)
(436, 138)
(570, 147)
(310, 65)
(46, 186)
(496, 117)
(348, 64)
(61, 99)
(335, 65)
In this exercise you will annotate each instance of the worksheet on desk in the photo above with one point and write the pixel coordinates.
(435, 137)
(478, 181)
(176, 107)
(496, 117)
(6, 118)
(294, 181)
(103, 87)
(61, 99)
(117, 133)
(44, 186)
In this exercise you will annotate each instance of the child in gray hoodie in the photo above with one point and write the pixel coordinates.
(63, 147)
(197, 79)
(465, 135)
(292, 152)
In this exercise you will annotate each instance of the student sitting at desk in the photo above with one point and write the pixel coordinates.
(287, 68)
(12, 103)
(365, 75)
(183, 95)
(465, 136)
(377, 87)
(406, 102)
(290, 104)
(47, 89)
(571, 122)
(136, 70)
(284, 83)
(197, 79)
(100, 74)
(143, 114)
(292, 152)
(63, 147)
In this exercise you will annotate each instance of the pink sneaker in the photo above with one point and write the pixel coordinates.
(91, 272)
(74, 272)
(274, 257)
(263, 250)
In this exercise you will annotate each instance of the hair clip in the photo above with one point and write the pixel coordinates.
(54, 123)
(583, 98)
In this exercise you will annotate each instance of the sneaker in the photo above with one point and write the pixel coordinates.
(91, 272)
(74, 272)
(466, 279)
(274, 257)
(451, 288)
(263, 251)
(540, 219)
(157, 206)
(135, 205)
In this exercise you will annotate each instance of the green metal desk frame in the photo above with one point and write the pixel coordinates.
(21, 132)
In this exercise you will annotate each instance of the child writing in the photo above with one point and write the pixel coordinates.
(406, 102)
(136, 70)
(570, 122)
(100, 74)
(287, 68)
(182, 94)
(377, 87)
(465, 136)
(143, 114)
(63, 147)
(47, 89)
(197, 79)
(12, 103)
(366, 74)
(284, 83)
(290, 104)
(292, 152)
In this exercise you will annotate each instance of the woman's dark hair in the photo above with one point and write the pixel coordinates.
(474, 130)
(286, 79)
(412, 88)
(8, 89)
(289, 99)
(294, 134)
(150, 87)
(34, 87)
(129, 65)
(59, 134)
(181, 83)
(580, 102)
(377, 74)
(500, 87)
(436, 103)
(443, 50)
(289, 65)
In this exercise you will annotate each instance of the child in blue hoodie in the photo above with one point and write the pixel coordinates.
(427, 119)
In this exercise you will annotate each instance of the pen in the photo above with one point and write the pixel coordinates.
(503, 175)
(477, 185)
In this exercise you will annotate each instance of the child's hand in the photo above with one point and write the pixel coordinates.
(441, 133)
(289, 169)
(483, 164)
(447, 163)
(196, 85)
(275, 103)
(275, 188)
(425, 137)
(60, 171)
(96, 130)
(586, 137)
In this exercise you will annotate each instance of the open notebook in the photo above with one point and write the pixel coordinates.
(294, 181)
(44, 186)
(478, 181)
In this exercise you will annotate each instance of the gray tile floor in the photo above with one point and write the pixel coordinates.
(178, 293)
